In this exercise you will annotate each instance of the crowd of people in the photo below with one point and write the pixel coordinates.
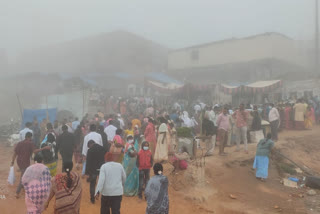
(116, 152)
(114, 163)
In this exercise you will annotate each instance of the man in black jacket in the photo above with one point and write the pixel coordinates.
(210, 130)
(65, 144)
(95, 159)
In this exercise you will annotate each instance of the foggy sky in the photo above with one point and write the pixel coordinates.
(26, 24)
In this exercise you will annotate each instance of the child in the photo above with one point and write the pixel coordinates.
(144, 163)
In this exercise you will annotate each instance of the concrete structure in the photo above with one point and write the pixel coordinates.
(301, 89)
(264, 56)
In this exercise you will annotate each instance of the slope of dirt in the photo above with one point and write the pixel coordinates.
(12, 205)
(191, 192)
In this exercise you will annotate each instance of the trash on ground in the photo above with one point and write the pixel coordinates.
(293, 179)
(233, 196)
(289, 183)
(311, 192)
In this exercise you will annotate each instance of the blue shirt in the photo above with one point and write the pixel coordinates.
(174, 117)
(75, 124)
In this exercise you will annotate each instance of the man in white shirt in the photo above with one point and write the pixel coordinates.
(197, 108)
(213, 114)
(202, 105)
(24, 131)
(65, 122)
(274, 119)
(112, 178)
(96, 137)
(121, 121)
(110, 131)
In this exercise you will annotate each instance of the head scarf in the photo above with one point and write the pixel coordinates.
(37, 183)
(186, 120)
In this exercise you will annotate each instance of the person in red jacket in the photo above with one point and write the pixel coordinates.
(144, 163)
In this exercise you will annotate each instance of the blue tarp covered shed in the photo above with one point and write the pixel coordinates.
(40, 114)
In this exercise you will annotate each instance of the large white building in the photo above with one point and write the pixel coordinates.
(264, 56)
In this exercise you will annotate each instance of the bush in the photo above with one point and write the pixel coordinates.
(287, 168)
(184, 132)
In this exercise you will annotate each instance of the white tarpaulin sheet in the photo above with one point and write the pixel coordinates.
(262, 84)
(76, 102)
(170, 86)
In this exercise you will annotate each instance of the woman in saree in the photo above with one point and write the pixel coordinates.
(123, 107)
(256, 122)
(117, 147)
(282, 117)
(308, 119)
(131, 186)
(261, 161)
(161, 153)
(67, 189)
(313, 115)
(288, 111)
(36, 183)
(171, 138)
(156, 192)
(50, 157)
(129, 130)
(150, 135)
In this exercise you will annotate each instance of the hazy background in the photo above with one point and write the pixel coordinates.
(173, 23)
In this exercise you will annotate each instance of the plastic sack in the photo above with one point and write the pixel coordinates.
(256, 136)
(11, 177)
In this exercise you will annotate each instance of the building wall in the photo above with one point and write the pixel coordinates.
(299, 88)
(236, 51)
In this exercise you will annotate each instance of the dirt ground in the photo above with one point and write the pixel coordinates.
(191, 192)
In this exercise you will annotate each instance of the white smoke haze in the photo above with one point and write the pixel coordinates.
(175, 24)
(42, 42)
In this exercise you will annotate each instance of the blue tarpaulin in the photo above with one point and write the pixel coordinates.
(40, 114)
(162, 77)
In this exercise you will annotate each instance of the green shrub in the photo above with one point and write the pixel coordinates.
(184, 132)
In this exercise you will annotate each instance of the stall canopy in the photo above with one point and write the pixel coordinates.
(230, 89)
(162, 82)
(164, 87)
(256, 87)
(262, 86)
(39, 114)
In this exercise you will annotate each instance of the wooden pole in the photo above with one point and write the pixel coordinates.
(47, 108)
(20, 107)
(316, 39)
(83, 97)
